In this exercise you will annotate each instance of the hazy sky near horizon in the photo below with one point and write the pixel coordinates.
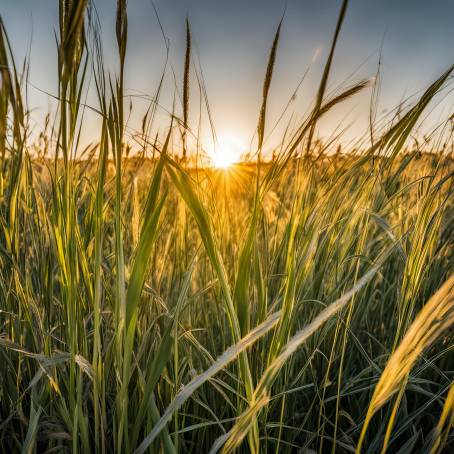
(232, 40)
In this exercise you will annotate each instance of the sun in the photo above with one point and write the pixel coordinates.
(223, 159)
(227, 152)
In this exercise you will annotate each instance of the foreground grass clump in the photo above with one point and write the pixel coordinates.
(147, 305)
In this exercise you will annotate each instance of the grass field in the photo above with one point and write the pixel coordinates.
(303, 303)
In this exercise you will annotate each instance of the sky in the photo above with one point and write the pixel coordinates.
(231, 43)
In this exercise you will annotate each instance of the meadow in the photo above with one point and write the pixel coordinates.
(302, 302)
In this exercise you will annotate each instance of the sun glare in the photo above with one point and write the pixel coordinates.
(223, 160)
(227, 152)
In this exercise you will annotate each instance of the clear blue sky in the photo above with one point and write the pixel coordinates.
(232, 39)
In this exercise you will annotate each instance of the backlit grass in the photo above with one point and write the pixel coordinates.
(303, 303)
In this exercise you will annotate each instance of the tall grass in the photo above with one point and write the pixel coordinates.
(304, 304)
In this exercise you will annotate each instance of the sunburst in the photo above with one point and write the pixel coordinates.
(226, 152)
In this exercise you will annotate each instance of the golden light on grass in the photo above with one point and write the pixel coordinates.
(155, 305)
